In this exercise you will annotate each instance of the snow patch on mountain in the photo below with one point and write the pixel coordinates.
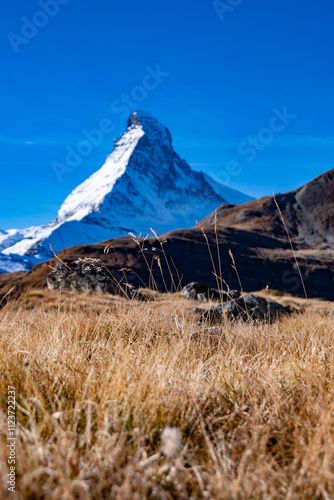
(87, 197)
(15, 263)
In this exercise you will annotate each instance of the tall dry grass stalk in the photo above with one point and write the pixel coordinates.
(291, 245)
(249, 414)
(218, 277)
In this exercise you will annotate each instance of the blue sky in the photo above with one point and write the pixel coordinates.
(231, 70)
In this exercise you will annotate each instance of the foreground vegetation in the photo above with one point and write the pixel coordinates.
(99, 379)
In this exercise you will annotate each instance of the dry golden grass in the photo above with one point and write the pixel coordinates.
(106, 376)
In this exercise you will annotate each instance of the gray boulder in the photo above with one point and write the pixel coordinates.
(203, 293)
(249, 307)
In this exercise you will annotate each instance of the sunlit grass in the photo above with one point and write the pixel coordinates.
(98, 380)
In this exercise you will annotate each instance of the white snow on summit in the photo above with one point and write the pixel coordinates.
(143, 184)
(88, 196)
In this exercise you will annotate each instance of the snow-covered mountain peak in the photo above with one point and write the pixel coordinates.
(89, 195)
(153, 129)
(142, 184)
(140, 118)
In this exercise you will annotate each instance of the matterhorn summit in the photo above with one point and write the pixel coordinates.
(143, 184)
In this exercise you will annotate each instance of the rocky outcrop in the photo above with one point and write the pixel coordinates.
(87, 275)
(247, 308)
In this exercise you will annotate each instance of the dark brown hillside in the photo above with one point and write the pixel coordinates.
(308, 213)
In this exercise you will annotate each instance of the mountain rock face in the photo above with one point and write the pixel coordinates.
(143, 184)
